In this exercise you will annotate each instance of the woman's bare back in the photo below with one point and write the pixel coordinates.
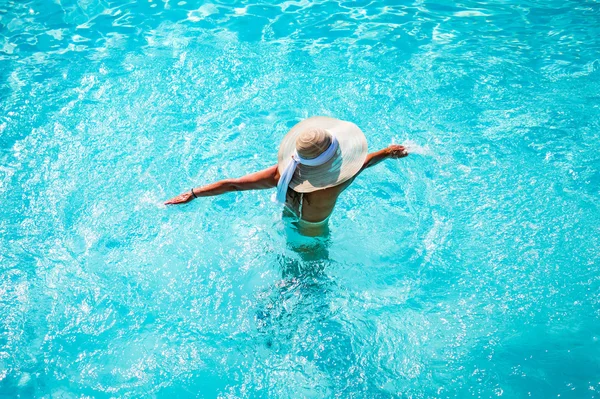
(317, 205)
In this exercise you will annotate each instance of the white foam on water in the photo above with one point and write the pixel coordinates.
(470, 13)
(24, 380)
(414, 148)
(201, 13)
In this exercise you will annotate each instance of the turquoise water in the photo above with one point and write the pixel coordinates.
(468, 269)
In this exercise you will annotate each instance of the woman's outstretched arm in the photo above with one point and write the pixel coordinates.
(393, 151)
(264, 179)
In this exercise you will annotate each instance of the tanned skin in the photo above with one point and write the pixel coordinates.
(317, 205)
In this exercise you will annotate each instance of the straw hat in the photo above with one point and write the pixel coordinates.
(310, 138)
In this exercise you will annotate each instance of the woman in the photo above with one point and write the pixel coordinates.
(318, 159)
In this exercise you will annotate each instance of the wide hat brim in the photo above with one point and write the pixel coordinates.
(345, 163)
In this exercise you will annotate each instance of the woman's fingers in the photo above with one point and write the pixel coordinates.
(398, 151)
(182, 198)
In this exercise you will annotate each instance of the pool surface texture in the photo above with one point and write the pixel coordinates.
(469, 269)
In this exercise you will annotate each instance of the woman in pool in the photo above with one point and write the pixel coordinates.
(318, 159)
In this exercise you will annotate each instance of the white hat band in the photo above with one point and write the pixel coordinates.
(288, 172)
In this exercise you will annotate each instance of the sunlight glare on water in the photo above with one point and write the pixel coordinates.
(468, 269)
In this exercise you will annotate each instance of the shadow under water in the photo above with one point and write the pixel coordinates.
(308, 248)
(304, 285)
(301, 315)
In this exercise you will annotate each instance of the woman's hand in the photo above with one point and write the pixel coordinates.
(397, 151)
(180, 199)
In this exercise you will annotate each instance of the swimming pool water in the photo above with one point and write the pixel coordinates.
(468, 269)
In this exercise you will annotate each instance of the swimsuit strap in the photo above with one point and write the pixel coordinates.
(300, 207)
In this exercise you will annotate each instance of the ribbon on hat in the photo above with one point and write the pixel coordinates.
(288, 172)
